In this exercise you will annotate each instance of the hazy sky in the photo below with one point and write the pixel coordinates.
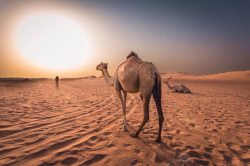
(176, 35)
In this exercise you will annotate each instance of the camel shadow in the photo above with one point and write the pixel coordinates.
(161, 151)
(172, 153)
(192, 93)
(198, 94)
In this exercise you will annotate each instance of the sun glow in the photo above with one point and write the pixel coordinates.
(51, 41)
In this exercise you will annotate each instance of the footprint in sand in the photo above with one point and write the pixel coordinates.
(69, 161)
(170, 137)
(208, 149)
(107, 133)
(110, 145)
(207, 155)
(178, 132)
(192, 124)
(95, 158)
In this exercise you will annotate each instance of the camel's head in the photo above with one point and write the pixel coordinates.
(102, 66)
(169, 78)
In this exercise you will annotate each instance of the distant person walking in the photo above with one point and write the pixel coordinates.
(57, 81)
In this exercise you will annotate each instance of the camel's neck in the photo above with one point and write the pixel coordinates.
(169, 86)
(108, 79)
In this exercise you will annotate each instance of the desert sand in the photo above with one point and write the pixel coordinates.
(80, 123)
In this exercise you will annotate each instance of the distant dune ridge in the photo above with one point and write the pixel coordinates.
(227, 76)
(77, 78)
(21, 79)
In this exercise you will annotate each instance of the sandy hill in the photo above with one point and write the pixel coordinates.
(227, 76)
(21, 79)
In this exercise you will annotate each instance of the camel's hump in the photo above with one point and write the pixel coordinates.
(132, 54)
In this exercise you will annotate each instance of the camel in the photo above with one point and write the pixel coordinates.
(133, 76)
(177, 88)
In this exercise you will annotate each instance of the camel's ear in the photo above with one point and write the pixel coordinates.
(106, 64)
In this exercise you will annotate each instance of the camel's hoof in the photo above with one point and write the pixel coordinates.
(125, 129)
(158, 140)
(133, 135)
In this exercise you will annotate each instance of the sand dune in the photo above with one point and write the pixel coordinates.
(228, 76)
(80, 124)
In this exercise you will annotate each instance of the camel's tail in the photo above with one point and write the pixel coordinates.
(157, 97)
(157, 87)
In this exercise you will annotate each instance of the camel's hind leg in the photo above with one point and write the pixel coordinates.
(157, 99)
(124, 121)
(146, 100)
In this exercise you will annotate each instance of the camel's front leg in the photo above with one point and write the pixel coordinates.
(123, 101)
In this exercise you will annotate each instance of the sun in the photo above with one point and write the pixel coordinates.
(52, 41)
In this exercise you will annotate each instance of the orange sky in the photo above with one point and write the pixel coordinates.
(170, 35)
